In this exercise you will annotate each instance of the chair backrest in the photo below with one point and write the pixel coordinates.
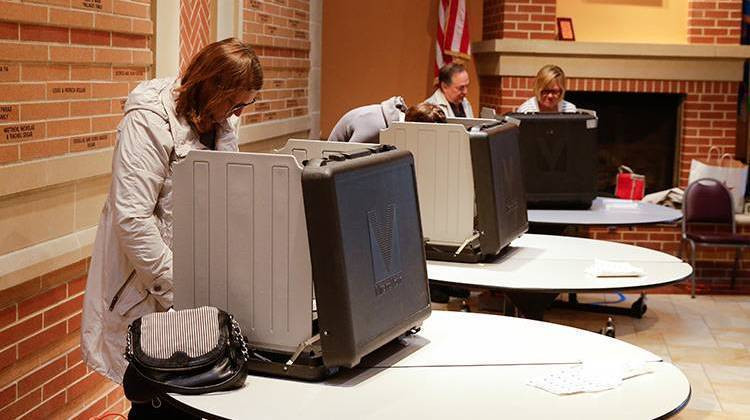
(707, 201)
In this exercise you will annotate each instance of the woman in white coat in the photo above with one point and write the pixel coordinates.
(131, 263)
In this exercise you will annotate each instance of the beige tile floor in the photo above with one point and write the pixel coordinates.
(708, 338)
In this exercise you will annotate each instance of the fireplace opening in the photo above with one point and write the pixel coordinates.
(640, 130)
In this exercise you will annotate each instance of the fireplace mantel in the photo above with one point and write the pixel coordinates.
(522, 57)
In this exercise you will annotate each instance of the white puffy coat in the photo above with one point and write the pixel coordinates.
(131, 263)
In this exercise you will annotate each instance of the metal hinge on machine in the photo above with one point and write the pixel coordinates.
(300, 348)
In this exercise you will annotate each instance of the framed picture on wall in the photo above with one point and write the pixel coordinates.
(565, 29)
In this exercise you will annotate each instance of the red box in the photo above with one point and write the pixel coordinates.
(629, 185)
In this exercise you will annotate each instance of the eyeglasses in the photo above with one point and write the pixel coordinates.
(240, 106)
(553, 92)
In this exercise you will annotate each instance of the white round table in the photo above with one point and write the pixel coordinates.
(609, 212)
(462, 365)
(534, 269)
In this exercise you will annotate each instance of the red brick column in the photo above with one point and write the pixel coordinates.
(522, 19)
(280, 34)
(714, 21)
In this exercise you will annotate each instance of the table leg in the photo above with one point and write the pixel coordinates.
(532, 304)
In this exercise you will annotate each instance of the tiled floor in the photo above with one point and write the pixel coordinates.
(708, 338)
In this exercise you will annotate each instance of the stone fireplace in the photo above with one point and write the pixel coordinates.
(705, 74)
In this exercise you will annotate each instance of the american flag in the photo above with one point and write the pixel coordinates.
(452, 41)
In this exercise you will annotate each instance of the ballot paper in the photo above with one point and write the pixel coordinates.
(588, 377)
(605, 268)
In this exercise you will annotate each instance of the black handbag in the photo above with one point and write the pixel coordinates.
(190, 351)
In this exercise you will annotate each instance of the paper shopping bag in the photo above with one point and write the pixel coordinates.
(724, 168)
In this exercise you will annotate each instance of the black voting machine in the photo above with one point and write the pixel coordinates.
(558, 158)
(356, 240)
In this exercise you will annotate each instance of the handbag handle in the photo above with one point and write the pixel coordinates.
(623, 168)
(725, 155)
(711, 149)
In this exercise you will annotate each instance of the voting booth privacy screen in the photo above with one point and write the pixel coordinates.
(244, 243)
(471, 190)
(558, 157)
(366, 250)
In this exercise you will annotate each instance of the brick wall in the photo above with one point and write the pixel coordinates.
(521, 19)
(279, 30)
(64, 72)
(195, 29)
(41, 372)
(709, 118)
(65, 69)
(714, 21)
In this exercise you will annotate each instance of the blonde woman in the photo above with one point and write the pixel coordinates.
(549, 91)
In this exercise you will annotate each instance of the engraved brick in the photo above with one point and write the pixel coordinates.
(43, 111)
(93, 5)
(97, 141)
(8, 113)
(44, 72)
(89, 37)
(9, 72)
(128, 73)
(70, 90)
(14, 133)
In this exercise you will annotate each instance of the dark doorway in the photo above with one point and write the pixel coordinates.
(639, 130)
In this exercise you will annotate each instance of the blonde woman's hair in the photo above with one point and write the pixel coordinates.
(546, 75)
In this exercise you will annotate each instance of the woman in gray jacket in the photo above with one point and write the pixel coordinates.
(131, 263)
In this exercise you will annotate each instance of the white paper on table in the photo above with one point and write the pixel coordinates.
(605, 268)
(588, 377)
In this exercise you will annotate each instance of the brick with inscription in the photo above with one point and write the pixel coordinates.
(21, 132)
(8, 113)
(79, 144)
(128, 73)
(68, 91)
(9, 72)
